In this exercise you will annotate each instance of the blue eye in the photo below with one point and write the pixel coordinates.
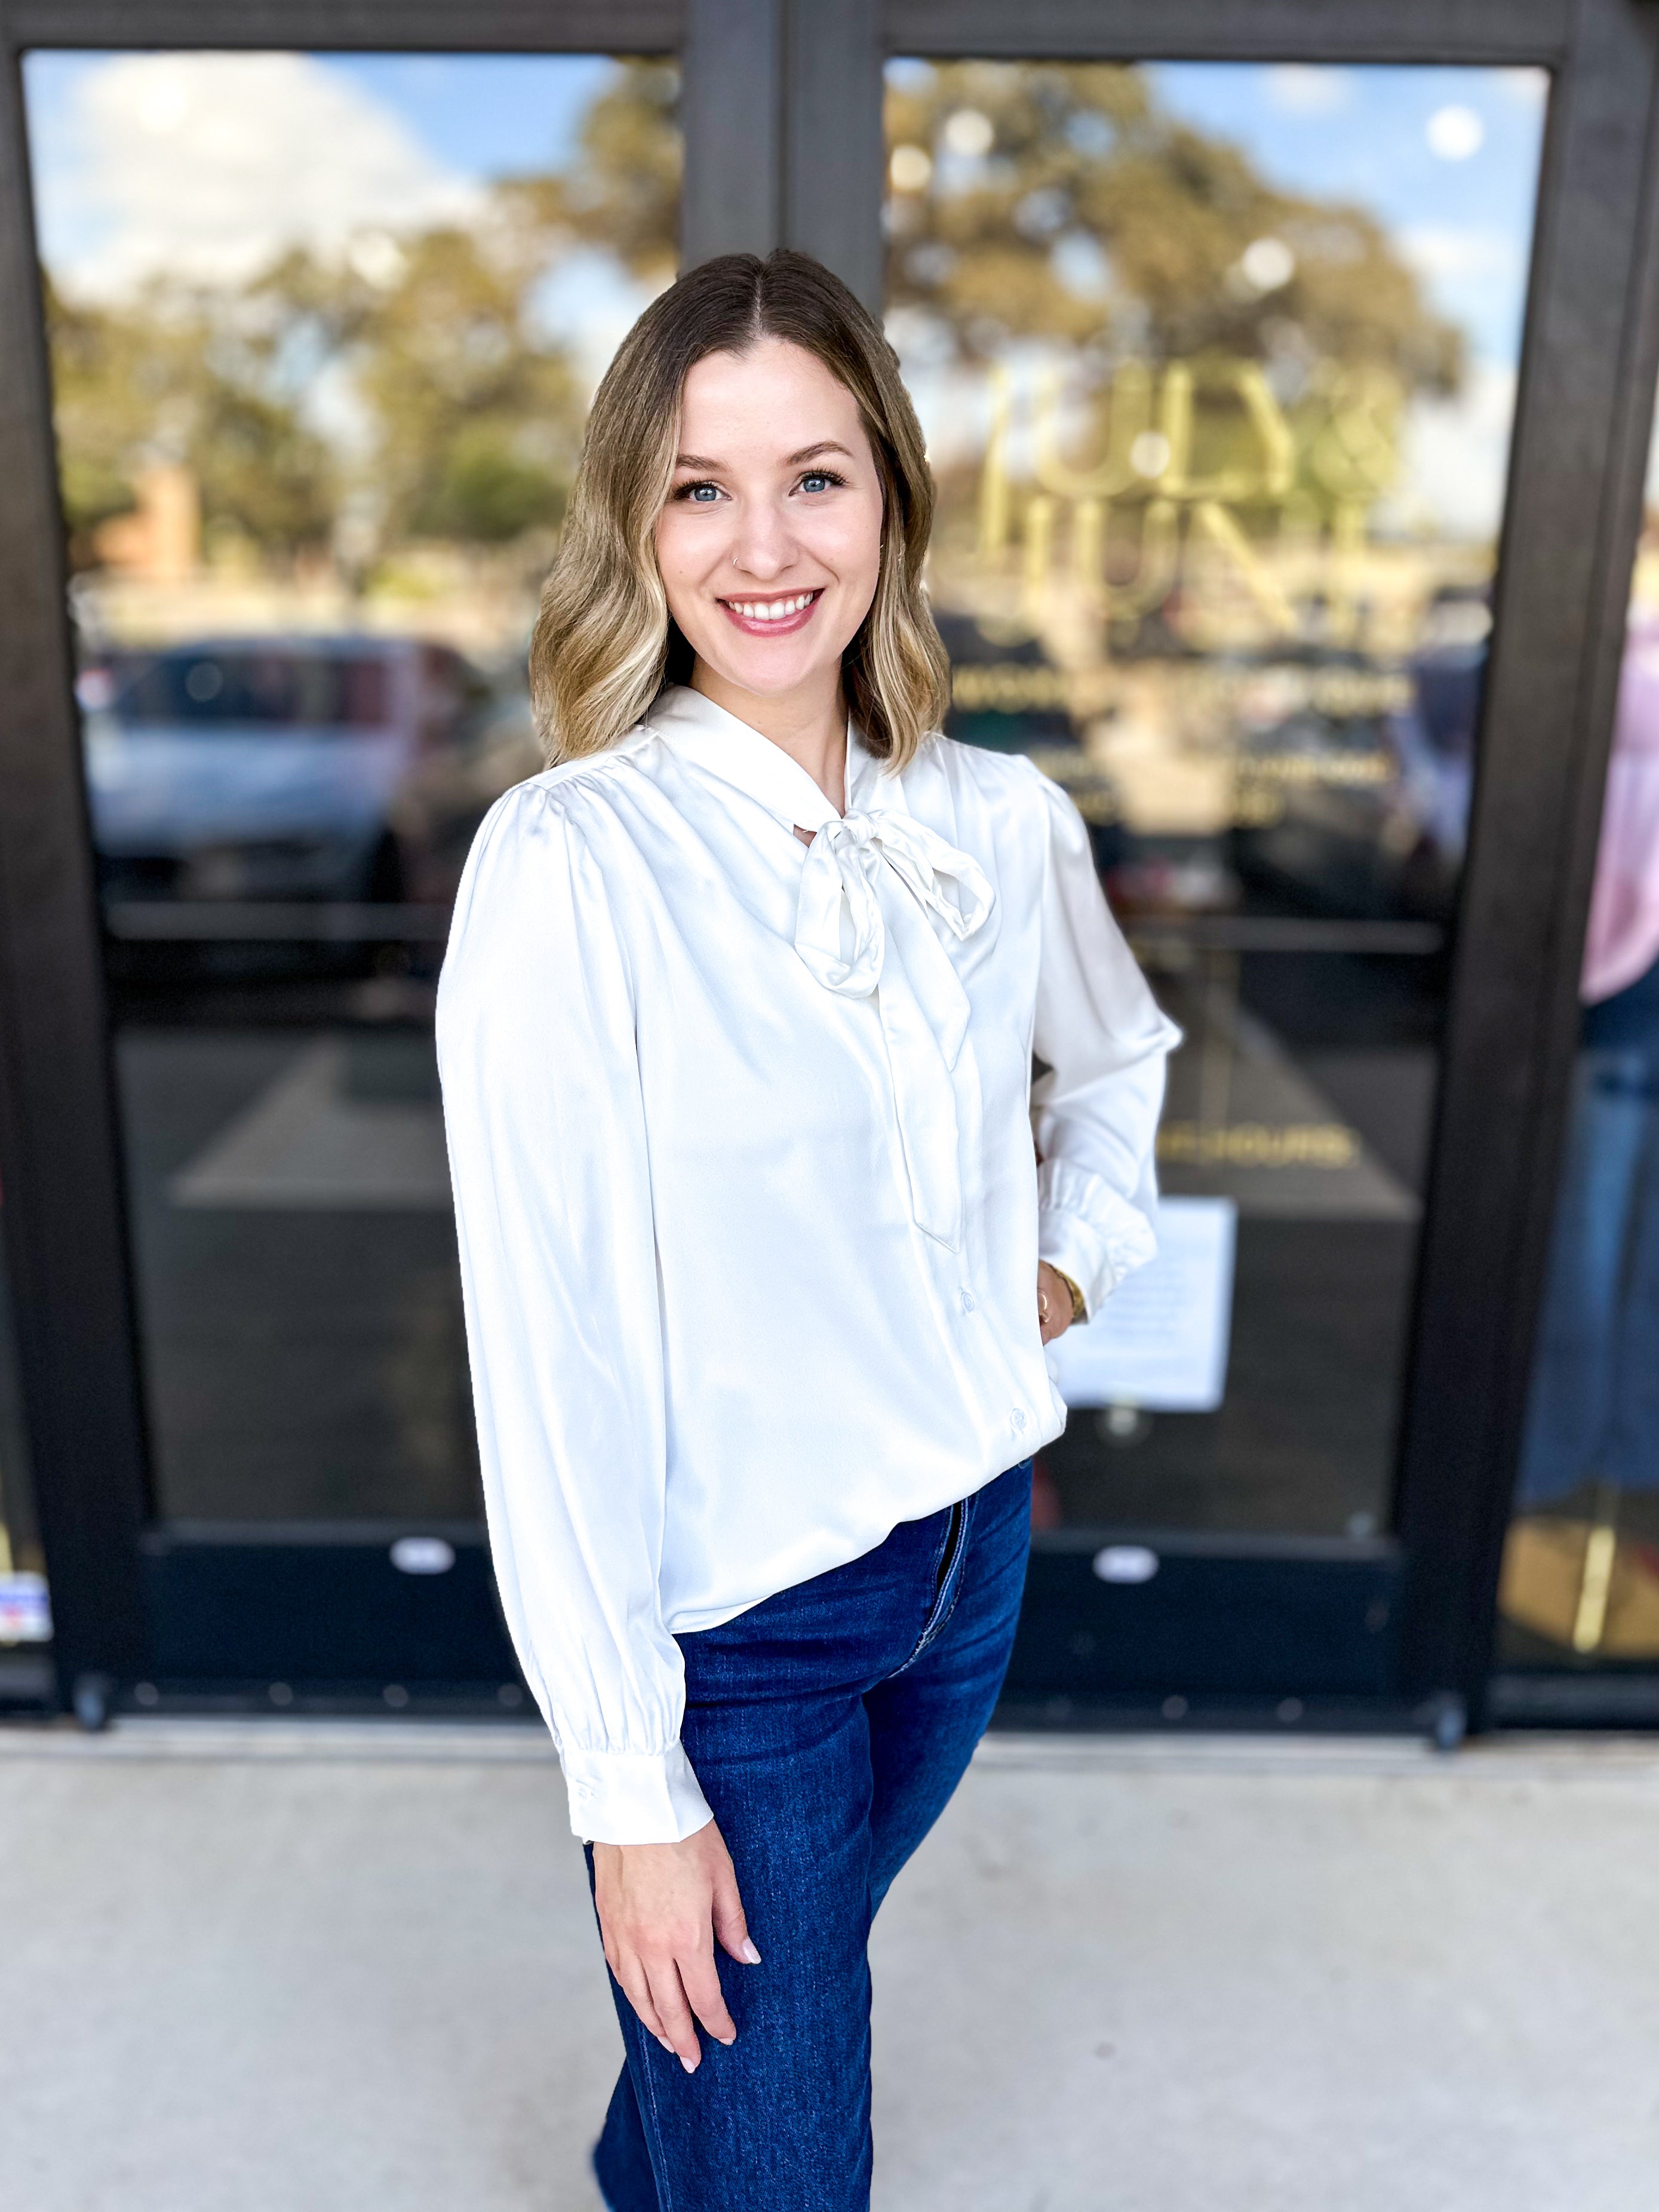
(818, 480)
(701, 494)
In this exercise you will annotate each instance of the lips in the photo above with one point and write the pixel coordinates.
(776, 615)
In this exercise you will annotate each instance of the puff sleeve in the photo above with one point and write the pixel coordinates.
(545, 1127)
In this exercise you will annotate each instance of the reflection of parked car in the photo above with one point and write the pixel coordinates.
(1356, 800)
(283, 768)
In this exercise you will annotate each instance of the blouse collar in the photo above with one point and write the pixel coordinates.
(880, 895)
(727, 749)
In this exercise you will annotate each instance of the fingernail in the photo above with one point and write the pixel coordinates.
(665, 2044)
(751, 1955)
(689, 2065)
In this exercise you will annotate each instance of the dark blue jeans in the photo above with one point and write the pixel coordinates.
(828, 1726)
(1594, 1411)
(1594, 1414)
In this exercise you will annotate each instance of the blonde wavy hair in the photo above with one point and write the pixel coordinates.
(604, 644)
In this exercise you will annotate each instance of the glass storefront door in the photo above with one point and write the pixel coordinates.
(1219, 360)
(323, 332)
(1216, 363)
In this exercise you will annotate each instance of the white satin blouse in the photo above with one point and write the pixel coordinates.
(741, 1137)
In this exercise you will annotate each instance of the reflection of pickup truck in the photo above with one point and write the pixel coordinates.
(286, 768)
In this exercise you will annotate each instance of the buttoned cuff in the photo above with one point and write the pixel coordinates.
(633, 1796)
(1090, 1231)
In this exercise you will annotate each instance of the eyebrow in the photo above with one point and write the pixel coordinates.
(824, 445)
(790, 460)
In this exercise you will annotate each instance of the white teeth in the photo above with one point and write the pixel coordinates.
(769, 610)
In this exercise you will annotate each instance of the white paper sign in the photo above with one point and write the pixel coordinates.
(25, 1609)
(1160, 1340)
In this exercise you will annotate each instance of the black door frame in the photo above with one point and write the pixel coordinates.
(782, 111)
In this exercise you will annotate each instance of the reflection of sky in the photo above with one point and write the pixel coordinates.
(1363, 134)
(486, 115)
(209, 165)
(1368, 134)
(156, 160)
(1446, 160)
(489, 115)
(1359, 133)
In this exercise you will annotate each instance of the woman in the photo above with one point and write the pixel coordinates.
(1593, 1419)
(736, 1031)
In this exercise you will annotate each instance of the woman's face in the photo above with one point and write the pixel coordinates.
(770, 542)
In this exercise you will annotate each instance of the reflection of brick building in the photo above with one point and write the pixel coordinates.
(161, 540)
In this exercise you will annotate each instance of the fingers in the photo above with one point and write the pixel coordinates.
(679, 2030)
(700, 1980)
(731, 1925)
(629, 1970)
(672, 1996)
(1053, 1304)
(661, 1908)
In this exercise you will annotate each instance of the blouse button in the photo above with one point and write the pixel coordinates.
(967, 1302)
(1019, 1418)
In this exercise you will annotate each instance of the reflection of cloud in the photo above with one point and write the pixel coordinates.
(205, 165)
(1299, 88)
(1456, 457)
(1527, 88)
(1444, 251)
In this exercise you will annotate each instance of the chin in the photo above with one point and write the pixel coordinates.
(770, 674)
(774, 684)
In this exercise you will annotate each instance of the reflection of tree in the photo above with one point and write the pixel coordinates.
(478, 410)
(160, 379)
(414, 381)
(623, 195)
(1059, 201)
(414, 387)
(473, 410)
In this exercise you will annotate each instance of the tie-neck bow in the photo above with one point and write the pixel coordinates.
(839, 930)
(878, 893)
(879, 896)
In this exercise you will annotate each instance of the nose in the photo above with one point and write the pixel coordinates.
(763, 546)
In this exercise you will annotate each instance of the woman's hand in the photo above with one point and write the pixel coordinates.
(661, 1907)
(1053, 1302)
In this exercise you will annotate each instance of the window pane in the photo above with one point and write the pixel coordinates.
(324, 332)
(1581, 1568)
(1217, 365)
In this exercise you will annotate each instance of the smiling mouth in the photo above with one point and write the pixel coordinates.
(773, 617)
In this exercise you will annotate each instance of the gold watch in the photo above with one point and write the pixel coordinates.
(1079, 1310)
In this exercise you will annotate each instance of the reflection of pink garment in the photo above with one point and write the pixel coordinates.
(1623, 942)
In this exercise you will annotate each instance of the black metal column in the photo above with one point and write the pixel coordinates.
(64, 1219)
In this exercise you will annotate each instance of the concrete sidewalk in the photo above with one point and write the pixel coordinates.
(311, 1968)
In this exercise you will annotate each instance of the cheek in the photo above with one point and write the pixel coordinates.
(677, 562)
(851, 543)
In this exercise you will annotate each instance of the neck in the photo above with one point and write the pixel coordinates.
(809, 724)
